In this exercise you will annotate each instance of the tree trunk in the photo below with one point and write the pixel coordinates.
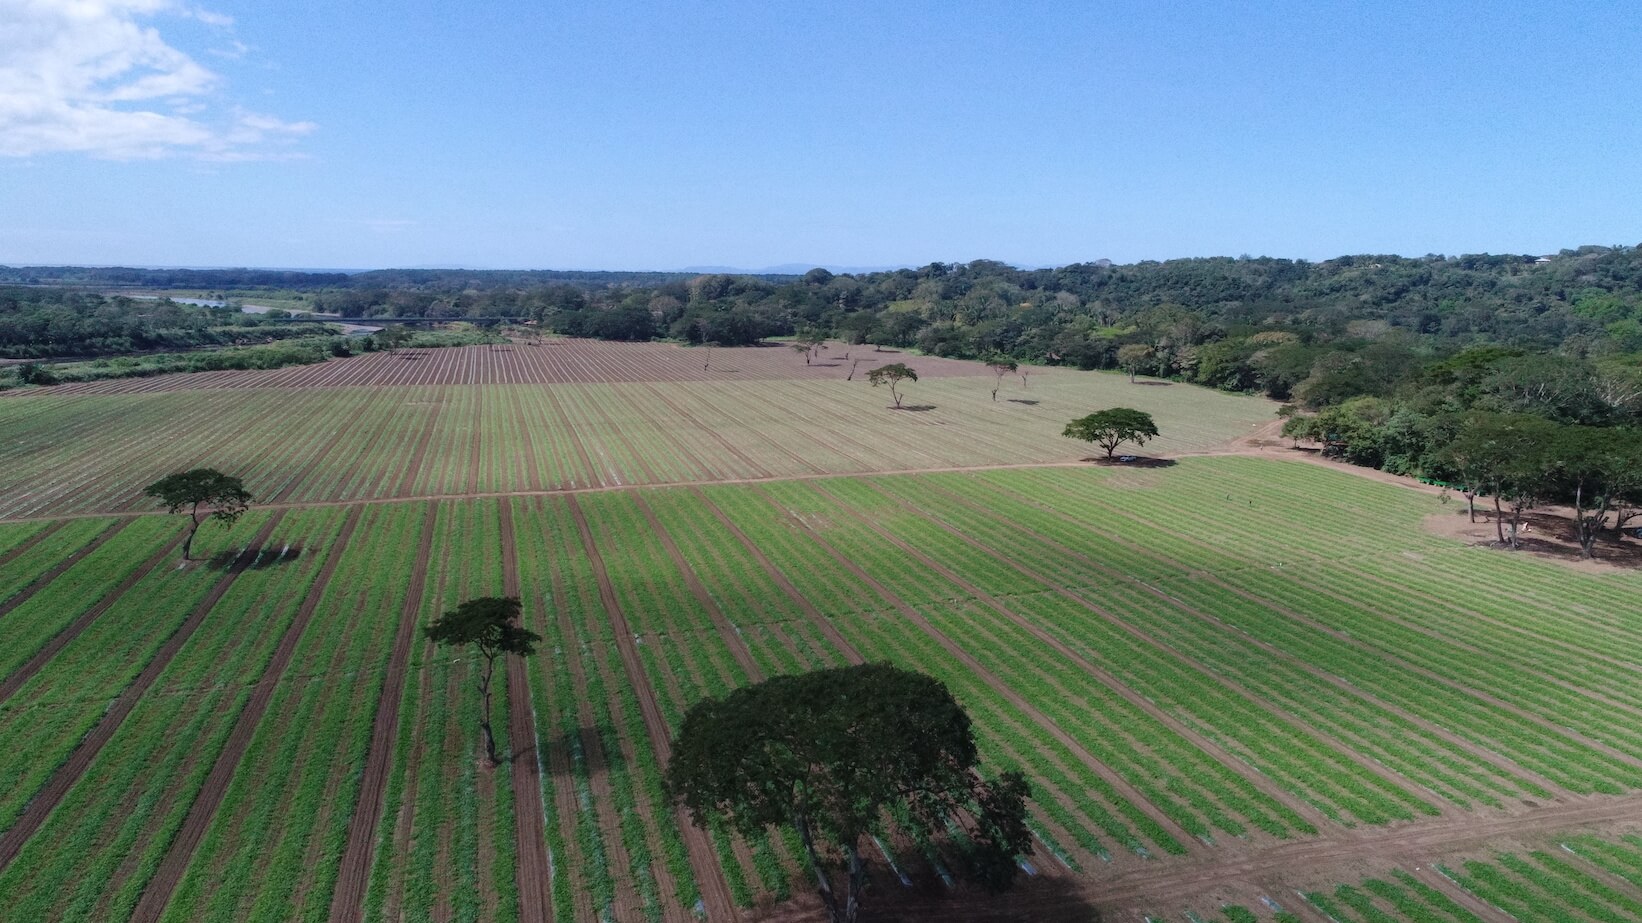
(1471, 504)
(484, 714)
(858, 881)
(823, 884)
(193, 527)
(994, 395)
(1499, 520)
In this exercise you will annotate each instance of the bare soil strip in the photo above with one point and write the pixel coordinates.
(715, 892)
(353, 877)
(1436, 731)
(1362, 762)
(47, 799)
(26, 672)
(22, 596)
(727, 631)
(30, 542)
(1404, 845)
(421, 451)
(535, 867)
(204, 810)
(1255, 778)
(301, 477)
(562, 361)
(571, 491)
(1119, 784)
(690, 418)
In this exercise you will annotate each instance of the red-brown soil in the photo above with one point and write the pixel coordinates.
(530, 834)
(561, 361)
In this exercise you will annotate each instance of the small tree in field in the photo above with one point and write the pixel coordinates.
(489, 623)
(1135, 356)
(1000, 367)
(892, 375)
(1111, 428)
(207, 494)
(832, 754)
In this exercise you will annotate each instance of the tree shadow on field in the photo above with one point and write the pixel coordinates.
(595, 759)
(1154, 384)
(261, 558)
(1022, 400)
(1134, 461)
(1040, 899)
(914, 408)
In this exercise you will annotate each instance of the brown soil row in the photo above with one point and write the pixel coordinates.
(26, 672)
(353, 877)
(35, 539)
(52, 793)
(726, 631)
(715, 892)
(1404, 845)
(1489, 699)
(560, 361)
(420, 452)
(204, 810)
(1255, 778)
(1118, 784)
(571, 491)
(535, 869)
(827, 628)
(40, 582)
(1433, 730)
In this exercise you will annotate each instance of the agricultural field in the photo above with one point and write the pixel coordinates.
(339, 431)
(1243, 688)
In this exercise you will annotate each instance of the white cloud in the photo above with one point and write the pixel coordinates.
(89, 76)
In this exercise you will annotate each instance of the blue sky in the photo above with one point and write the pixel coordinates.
(658, 136)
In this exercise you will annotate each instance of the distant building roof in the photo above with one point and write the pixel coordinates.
(1543, 259)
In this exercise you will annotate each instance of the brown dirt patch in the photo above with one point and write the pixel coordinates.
(1548, 535)
(563, 361)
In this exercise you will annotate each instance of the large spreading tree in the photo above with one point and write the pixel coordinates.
(207, 494)
(490, 624)
(832, 753)
(1111, 428)
(893, 375)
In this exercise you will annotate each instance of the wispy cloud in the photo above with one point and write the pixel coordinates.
(90, 76)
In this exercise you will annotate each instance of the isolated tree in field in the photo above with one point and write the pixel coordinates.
(1000, 367)
(1111, 428)
(1135, 356)
(833, 753)
(892, 375)
(207, 494)
(854, 364)
(489, 623)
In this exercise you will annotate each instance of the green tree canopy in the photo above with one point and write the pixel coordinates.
(892, 375)
(1111, 428)
(206, 493)
(832, 752)
(489, 623)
